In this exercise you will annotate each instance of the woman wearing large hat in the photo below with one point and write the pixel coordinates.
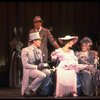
(67, 68)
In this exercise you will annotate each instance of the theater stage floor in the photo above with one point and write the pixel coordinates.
(14, 93)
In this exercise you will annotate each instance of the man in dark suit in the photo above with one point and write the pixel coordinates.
(45, 36)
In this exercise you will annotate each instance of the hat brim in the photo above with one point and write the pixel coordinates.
(75, 39)
(38, 21)
(34, 39)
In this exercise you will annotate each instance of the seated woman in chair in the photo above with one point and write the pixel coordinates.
(90, 57)
(66, 82)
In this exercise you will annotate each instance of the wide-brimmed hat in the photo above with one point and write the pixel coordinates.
(37, 19)
(86, 40)
(68, 37)
(34, 36)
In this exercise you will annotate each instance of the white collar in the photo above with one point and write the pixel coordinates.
(39, 29)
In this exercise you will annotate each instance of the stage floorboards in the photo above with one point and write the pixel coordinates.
(14, 93)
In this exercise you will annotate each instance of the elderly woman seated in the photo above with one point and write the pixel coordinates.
(89, 57)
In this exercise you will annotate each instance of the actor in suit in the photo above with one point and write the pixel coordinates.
(33, 67)
(45, 35)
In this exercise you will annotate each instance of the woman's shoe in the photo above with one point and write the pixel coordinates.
(75, 95)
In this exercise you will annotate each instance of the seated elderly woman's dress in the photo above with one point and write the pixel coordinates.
(66, 81)
(87, 76)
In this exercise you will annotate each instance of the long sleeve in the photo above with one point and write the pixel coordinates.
(52, 40)
(25, 60)
(54, 56)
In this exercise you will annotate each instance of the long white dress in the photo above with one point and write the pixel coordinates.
(66, 81)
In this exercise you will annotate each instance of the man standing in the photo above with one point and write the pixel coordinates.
(45, 36)
(34, 70)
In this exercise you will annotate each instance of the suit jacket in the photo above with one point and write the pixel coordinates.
(28, 61)
(46, 35)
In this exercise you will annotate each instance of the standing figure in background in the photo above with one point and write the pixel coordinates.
(90, 57)
(45, 35)
(16, 45)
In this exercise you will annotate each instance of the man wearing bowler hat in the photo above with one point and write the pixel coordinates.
(33, 67)
(45, 35)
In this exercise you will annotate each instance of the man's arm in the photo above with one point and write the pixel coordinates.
(52, 40)
(25, 60)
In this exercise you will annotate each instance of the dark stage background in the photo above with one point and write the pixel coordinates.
(79, 18)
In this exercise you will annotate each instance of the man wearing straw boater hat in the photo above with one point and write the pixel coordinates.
(33, 66)
(45, 36)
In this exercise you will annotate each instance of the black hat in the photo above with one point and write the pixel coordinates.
(37, 19)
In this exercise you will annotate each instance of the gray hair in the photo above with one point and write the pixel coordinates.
(86, 40)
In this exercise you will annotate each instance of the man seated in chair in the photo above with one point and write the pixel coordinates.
(33, 66)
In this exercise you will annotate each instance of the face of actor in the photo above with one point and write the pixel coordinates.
(71, 43)
(37, 25)
(85, 47)
(37, 43)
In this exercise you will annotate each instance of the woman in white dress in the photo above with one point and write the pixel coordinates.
(66, 82)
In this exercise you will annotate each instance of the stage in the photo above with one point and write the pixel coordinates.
(15, 93)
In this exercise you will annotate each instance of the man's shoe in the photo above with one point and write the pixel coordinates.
(26, 95)
(32, 93)
(27, 92)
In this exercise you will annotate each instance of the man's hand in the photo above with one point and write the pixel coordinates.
(42, 65)
(45, 64)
